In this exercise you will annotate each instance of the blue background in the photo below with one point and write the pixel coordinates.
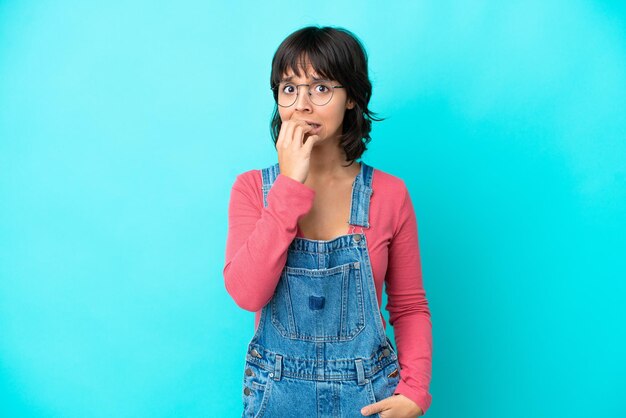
(124, 124)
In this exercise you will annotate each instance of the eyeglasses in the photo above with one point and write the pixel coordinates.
(320, 92)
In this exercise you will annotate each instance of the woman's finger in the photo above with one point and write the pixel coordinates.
(289, 127)
(310, 143)
(298, 134)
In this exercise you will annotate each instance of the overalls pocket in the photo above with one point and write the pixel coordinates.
(384, 382)
(319, 304)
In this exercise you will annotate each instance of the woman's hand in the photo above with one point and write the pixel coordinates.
(395, 406)
(294, 152)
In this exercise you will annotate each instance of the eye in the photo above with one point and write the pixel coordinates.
(288, 89)
(321, 88)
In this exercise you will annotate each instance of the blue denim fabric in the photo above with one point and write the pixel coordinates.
(320, 349)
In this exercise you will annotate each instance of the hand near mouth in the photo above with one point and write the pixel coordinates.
(294, 144)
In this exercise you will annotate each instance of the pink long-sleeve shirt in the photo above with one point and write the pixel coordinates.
(256, 253)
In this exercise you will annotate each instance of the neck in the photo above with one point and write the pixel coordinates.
(327, 162)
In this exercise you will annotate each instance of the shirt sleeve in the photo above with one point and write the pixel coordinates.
(408, 309)
(259, 237)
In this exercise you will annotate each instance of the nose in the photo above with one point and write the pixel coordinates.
(303, 101)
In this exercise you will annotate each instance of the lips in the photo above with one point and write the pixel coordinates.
(315, 128)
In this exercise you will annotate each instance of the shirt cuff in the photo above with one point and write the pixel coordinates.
(420, 397)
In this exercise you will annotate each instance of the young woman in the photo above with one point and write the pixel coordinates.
(310, 242)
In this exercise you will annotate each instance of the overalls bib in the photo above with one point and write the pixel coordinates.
(320, 349)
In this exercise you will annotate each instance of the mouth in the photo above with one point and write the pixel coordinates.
(316, 127)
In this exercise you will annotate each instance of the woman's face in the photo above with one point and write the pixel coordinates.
(329, 116)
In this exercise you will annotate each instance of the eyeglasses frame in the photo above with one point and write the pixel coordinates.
(297, 86)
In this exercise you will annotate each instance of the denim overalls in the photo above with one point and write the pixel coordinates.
(320, 349)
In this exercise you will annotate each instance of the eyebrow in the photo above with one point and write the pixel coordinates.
(291, 77)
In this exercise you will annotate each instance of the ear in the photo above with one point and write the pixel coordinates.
(350, 104)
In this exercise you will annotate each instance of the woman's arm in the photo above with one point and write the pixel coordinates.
(408, 309)
(258, 237)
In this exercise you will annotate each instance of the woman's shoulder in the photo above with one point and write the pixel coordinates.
(247, 184)
(253, 176)
(387, 184)
(249, 178)
(252, 179)
(391, 196)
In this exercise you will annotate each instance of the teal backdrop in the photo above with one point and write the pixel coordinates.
(123, 125)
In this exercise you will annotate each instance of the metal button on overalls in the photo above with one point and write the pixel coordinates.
(385, 353)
